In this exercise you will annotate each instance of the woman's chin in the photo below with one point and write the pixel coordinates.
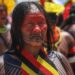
(36, 44)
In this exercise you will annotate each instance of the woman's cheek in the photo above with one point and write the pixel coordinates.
(44, 27)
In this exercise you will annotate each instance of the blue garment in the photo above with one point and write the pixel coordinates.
(11, 65)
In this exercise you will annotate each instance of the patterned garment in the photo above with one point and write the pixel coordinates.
(53, 64)
(31, 66)
(61, 63)
(11, 65)
(41, 66)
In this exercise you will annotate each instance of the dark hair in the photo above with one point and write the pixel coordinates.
(18, 15)
(60, 20)
(52, 17)
(68, 22)
(72, 9)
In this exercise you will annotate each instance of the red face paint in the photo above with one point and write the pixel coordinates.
(34, 29)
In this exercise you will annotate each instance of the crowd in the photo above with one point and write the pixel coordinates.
(35, 41)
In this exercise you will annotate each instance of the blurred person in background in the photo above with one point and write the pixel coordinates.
(27, 55)
(69, 26)
(5, 38)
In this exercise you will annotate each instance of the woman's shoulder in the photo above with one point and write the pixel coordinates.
(11, 60)
(56, 55)
(11, 64)
(61, 63)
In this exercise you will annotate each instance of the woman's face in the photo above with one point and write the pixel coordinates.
(3, 16)
(34, 29)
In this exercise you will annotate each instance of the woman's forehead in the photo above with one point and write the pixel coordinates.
(34, 9)
(34, 15)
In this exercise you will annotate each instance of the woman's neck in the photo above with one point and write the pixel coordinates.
(32, 50)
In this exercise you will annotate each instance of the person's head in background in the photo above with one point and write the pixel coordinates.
(3, 14)
(29, 27)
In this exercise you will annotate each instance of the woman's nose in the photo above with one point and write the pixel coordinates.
(37, 29)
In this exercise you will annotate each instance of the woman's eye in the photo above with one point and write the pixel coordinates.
(41, 23)
(30, 24)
